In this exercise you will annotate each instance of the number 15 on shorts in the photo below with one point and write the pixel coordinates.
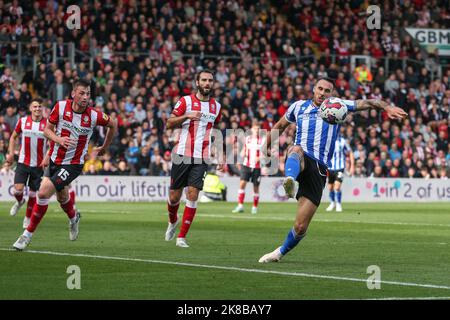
(63, 174)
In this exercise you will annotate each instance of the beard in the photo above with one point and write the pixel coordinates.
(204, 91)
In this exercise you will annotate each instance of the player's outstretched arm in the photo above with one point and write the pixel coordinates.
(112, 128)
(392, 111)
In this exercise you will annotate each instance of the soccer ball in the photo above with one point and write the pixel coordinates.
(333, 110)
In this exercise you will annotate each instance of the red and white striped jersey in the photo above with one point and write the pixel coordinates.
(33, 146)
(195, 137)
(78, 126)
(253, 152)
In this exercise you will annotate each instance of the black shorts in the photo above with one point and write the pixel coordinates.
(251, 174)
(312, 180)
(334, 176)
(188, 173)
(32, 175)
(62, 175)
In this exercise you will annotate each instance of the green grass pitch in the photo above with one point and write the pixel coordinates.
(122, 254)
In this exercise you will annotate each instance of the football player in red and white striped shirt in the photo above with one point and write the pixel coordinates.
(251, 168)
(69, 128)
(196, 114)
(32, 158)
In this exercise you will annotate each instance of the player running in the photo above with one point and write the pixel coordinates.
(32, 158)
(69, 128)
(336, 172)
(251, 168)
(310, 156)
(196, 114)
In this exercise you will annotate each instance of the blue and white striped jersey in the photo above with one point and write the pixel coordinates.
(316, 137)
(341, 149)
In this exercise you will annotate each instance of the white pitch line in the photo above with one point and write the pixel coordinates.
(410, 298)
(242, 217)
(185, 264)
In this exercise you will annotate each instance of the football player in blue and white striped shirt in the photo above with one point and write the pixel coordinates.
(310, 156)
(336, 172)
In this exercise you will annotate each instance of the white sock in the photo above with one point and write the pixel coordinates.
(27, 233)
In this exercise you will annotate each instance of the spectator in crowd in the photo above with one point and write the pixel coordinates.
(142, 64)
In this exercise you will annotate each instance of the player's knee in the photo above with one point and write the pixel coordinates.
(192, 194)
(300, 227)
(62, 198)
(296, 149)
(18, 189)
(174, 197)
(42, 195)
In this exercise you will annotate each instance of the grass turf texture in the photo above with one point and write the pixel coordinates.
(409, 242)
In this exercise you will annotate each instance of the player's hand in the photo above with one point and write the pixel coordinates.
(67, 142)
(220, 167)
(99, 150)
(396, 113)
(196, 115)
(45, 162)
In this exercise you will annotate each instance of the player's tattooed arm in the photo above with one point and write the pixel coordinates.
(371, 104)
(392, 111)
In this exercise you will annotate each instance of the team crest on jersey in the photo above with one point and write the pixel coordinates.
(176, 106)
(196, 106)
(67, 113)
(42, 126)
(86, 119)
(212, 108)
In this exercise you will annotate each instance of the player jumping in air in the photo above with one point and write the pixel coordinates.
(310, 156)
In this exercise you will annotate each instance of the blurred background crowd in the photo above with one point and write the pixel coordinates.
(142, 56)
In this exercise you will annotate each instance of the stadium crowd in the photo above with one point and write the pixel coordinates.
(265, 58)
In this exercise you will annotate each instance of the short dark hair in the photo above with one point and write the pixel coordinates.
(328, 79)
(38, 100)
(81, 83)
(197, 76)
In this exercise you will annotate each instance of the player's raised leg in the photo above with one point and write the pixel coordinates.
(305, 212)
(294, 165)
(46, 190)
